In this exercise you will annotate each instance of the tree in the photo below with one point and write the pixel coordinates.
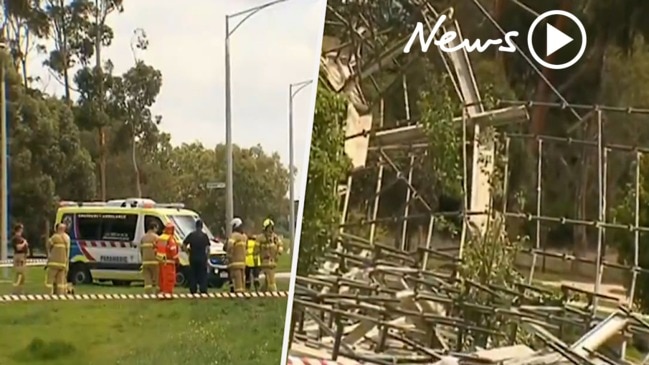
(130, 101)
(328, 165)
(260, 183)
(26, 23)
(47, 160)
(69, 24)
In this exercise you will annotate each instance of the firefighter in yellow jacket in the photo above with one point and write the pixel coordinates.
(252, 264)
(150, 265)
(58, 249)
(270, 247)
(236, 252)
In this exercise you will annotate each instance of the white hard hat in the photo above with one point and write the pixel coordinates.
(236, 223)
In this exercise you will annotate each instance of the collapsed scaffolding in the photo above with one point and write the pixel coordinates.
(381, 303)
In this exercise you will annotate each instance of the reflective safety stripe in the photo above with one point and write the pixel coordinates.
(148, 286)
(150, 262)
(147, 245)
(57, 264)
(19, 277)
(59, 245)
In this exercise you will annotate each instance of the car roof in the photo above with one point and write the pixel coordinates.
(126, 210)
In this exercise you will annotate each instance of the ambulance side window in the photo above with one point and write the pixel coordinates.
(68, 219)
(89, 227)
(151, 218)
(119, 227)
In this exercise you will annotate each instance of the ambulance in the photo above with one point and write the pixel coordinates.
(105, 239)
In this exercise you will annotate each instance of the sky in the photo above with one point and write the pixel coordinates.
(275, 47)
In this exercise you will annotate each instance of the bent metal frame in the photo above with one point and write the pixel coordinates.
(385, 303)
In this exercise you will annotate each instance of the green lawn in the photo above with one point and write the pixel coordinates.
(139, 332)
(284, 263)
(35, 283)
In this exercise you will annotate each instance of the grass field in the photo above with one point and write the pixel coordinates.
(139, 332)
(36, 280)
(284, 263)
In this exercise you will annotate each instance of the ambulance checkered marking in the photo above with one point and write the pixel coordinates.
(47, 297)
(292, 360)
(106, 244)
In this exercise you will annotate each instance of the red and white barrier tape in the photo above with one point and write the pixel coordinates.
(294, 360)
(93, 297)
(30, 262)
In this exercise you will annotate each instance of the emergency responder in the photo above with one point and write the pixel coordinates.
(150, 265)
(252, 264)
(236, 251)
(58, 248)
(197, 243)
(167, 255)
(20, 247)
(270, 247)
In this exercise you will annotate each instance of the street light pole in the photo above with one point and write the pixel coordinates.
(4, 197)
(293, 89)
(229, 191)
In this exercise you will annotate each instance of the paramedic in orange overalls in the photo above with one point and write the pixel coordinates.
(167, 251)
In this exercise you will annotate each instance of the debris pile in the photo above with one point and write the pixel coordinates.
(389, 308)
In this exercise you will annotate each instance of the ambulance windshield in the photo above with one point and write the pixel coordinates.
(186, 224)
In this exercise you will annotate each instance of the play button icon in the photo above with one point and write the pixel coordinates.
(556, 39)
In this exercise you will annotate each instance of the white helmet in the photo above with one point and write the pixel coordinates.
(236, 223)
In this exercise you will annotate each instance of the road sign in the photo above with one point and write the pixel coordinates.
(215, 185)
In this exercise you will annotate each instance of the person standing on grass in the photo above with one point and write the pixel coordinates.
(252, 264)
(167, 255)
(20, 247)
(58, 248)
(236, 253)
(197, 243)
(150, 266)
(270, 248)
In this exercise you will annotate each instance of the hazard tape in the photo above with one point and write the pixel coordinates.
(292, 360)
(72, 297)
(30, 262)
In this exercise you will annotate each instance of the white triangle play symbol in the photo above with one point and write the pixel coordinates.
(555, 39)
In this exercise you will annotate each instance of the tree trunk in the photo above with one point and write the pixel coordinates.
(66, 80)
(587, 162)
(580, 233)
(138, 184)
(543, 92)
(23, 59)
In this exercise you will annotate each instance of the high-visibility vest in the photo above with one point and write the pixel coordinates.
(252, 258)
(166, 249)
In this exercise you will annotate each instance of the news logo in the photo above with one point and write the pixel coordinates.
(555, 40)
